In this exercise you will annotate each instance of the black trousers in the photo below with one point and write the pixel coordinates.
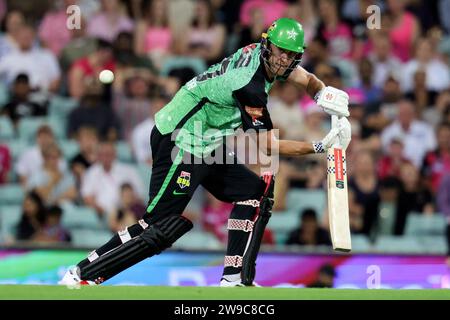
(175, 176)
(173, 184)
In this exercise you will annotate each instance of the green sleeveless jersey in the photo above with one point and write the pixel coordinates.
(230, 94)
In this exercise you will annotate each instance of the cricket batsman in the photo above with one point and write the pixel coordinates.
(193, 125)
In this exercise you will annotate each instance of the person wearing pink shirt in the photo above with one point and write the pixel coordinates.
(5, 163)
(153, 34)
(336, 32)
(53, 31)
(404, 30)
(109, 22)
(273, 9)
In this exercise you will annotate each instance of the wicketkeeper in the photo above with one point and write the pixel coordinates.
(229, 95)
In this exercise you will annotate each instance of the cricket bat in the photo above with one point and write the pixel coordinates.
(338, 196)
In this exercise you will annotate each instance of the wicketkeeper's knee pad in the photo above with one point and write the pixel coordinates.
(156, 238)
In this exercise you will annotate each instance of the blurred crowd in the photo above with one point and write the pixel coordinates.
(128, 58)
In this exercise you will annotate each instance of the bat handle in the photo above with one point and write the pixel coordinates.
(334, 123)
(334, 120)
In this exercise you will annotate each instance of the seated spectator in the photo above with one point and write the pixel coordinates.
(252, 32)
(378, 116)
(286, 113)
(443, 203)
(21, 104)
(44, 76)
(131, 209)
(139, 137)
(334, 30)
(11, 26)
(365, 186)
(205, 37)
(215, 214)
(79, 46)
(110, 21)
(5, 163)
(372, 93)
(84, 73)
(53, 185)
(413, 197)
(383, 60)
(100, 187)
(87, 139)
(325, 279)
(52, 230)
(33, 216)
(418, 136)
(154, 37)
(310, 232)
(436, 163)
(437, 73)
(31, 160)
(131, 104)
(422, 97)
(125, 55)
(53, 31)
(272, 10)
(391, 163)
(404, 29)
(94, 111)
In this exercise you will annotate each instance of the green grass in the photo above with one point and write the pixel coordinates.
(35, 292)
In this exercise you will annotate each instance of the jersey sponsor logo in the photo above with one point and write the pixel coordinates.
(184, 179)
(256, 122)
(249, 48)
(255, 113)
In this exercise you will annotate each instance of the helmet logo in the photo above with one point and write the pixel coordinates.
(292, 34)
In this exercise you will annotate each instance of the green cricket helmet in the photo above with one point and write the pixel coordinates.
(286, 34)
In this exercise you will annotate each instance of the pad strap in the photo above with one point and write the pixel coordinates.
(242, 225)
(233, 261)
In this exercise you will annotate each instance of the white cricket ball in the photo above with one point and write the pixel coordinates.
(106, 76)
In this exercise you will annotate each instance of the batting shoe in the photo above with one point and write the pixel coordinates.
(234, 281)
(72, 279)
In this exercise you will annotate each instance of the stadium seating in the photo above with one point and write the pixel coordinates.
(282, 223)
(77, 217)
(4, 94)
(419, 224)
(69, 148)
(11, 194)
(17, 147)
(28, 127)
(124, 153)
(300, 199)
(9, 218)
(6, 128)
(198, 240)
(60, 106)
(360, 243)
(85, 238)
(145, 172)
(397, 244)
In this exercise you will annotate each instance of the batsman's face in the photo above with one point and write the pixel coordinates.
(280, 59)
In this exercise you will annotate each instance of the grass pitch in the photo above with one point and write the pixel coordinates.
(41, 292)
